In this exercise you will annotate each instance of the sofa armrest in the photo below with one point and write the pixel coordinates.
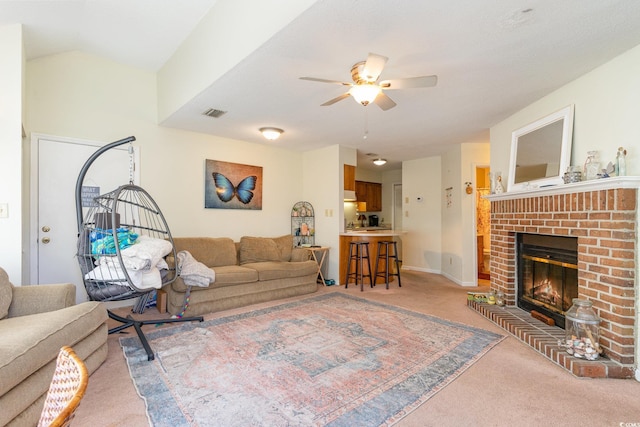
(35, 299)
(300, 254)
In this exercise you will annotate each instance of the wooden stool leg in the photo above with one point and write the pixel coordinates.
(395, 256)
(369, 265)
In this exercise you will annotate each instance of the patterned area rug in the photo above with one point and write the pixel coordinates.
(331, 360)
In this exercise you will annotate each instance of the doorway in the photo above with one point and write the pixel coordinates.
(483, 224)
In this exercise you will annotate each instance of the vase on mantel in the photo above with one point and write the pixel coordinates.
(591, 165)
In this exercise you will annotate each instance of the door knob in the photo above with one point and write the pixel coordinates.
(46, 240)
(46, 229)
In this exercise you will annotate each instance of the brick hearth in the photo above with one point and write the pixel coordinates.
(604, 220)
(544, 339)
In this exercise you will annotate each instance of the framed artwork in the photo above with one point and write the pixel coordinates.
(232, 186)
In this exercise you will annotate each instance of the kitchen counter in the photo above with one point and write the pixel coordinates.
(373, 232)
(373, 237)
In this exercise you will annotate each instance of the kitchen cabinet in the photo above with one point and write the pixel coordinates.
(371, 194)
(349, 178)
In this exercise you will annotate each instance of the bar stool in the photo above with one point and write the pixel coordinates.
(358, 252)
(385, 257)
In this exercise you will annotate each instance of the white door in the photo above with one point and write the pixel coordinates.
(56, 163)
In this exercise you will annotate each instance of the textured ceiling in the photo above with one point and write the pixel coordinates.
(491, 58)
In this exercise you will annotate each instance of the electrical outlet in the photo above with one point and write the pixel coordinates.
(406, 213)
(4, 210)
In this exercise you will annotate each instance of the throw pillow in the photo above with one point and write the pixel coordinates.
(6, 294)
(258, 249)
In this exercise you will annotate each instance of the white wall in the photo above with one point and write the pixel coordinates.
(422, 244)
(11, 107)
(86, 97)
(323, 187)
(452, 230)
(606, 115)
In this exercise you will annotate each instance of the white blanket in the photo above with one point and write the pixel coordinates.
(193, 272)
(142, 261)
(146, 253)
(111, 272)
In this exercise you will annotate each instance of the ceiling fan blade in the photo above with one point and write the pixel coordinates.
(313, 79)
(384, 102)
(336, 99)
(410, 82)
(373, 67)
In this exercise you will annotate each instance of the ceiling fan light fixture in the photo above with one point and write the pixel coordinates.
(364, 93)
(379, 162)
(271, 133)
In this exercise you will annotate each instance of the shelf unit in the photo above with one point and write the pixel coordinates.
(303, 226)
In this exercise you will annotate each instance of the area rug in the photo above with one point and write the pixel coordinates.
(333, 359)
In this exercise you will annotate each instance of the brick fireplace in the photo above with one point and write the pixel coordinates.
(603, 215)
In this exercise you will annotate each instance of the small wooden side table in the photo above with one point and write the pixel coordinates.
(319, 259)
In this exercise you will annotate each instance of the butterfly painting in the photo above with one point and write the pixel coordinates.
(226, 190)
(232, 186)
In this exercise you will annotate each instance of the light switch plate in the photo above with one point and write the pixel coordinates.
(4, 210)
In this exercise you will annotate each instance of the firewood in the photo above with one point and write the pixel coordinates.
(541, 317)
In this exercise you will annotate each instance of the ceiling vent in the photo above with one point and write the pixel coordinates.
(212, 112)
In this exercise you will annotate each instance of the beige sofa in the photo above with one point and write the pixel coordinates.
(35, 322)
(256, 269)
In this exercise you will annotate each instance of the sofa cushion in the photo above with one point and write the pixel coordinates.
(300, 254)
(211, 251)
(285, 246)
(6, 293)
(272, 270)
(30, 342)
(226, 275)
(258, 249)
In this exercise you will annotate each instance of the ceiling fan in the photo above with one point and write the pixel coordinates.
(366, 88)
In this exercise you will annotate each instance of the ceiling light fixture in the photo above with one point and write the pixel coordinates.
(379, 162)
(271, 133)
(364, 93)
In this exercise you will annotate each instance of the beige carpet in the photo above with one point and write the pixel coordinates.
(512, 385)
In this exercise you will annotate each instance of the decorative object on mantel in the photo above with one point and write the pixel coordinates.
(573, 174)
(541, 151)
(621, 162)
(582, 331)
(496, 182)
(608, 171)
(499, 187)
(591, 165)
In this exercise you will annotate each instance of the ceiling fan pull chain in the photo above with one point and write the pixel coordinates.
(366, 124)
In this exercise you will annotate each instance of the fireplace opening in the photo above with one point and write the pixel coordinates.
(547, 274)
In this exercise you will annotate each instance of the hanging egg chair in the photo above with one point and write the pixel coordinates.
(122, 245)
